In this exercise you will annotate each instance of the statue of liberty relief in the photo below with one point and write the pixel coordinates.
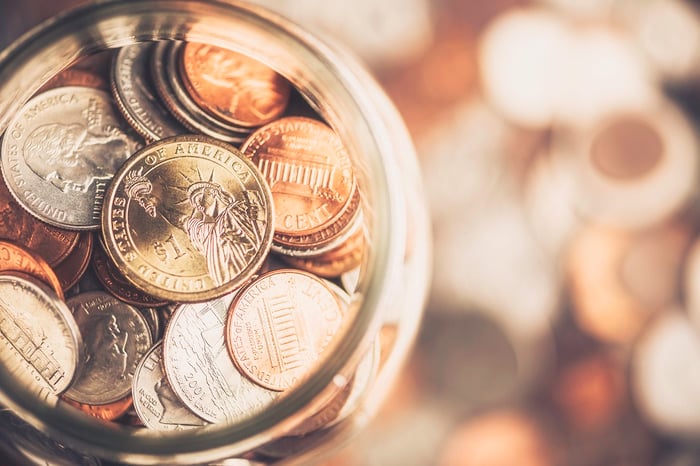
(221, 227)
(72, 158)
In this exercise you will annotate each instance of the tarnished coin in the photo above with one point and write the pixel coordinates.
(59, 153)
(279, 325)
(136, 96)
(108, 412)
(39, 337)
(325, 240)
(72, 268)
(76, 77)
(116, 337)
(308, 170)
(200, 369)
(114, 282)
(17, 225)
(155, 403)
(335, 262)
(188, 219)
(14, 258)
(233, 87)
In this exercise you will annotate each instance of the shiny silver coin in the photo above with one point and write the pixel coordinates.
(155, 403)
(136, 97)
(39, 338)
(188, 114)
(61, 150)
(200, 370)
(116, 337)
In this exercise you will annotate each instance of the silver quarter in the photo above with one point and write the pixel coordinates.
(116, 337)
(136, 96)
(155, 402)
(61, 150)
(39, 339)
(190, 115)
(200, 370)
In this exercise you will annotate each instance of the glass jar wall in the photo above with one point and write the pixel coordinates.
(386, 296)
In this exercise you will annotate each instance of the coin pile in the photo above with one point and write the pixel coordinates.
(180, 235)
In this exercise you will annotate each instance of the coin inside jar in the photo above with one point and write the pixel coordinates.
(308, 170)
(188, 219)
(40, 340)
(60, 153)
(233, 87)
(199, 368)
(16, 224)
(116, 337)
(279, 325)
(155, 403)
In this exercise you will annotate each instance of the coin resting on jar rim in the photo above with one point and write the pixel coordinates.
(188, 219)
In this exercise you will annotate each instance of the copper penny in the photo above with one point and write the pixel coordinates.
(118, 286)
(233, 87)
(76, 77)
(17, 225)
(108, 412)
(279, 325)
(325, 240)
(333, 263)
(308, 170)
(15, 258)
(72, 268)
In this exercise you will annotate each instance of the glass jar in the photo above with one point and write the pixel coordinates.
(393, 281)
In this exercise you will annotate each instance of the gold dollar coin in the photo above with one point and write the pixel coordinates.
(188, 219)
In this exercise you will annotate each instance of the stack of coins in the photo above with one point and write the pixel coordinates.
(179, 239)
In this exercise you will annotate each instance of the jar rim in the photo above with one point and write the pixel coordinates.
(331, 82)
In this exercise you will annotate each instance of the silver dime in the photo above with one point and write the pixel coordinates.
(39, 339)
(136, 97)
(61, 150)
(155, 403)
(116, 337)
(200, 370)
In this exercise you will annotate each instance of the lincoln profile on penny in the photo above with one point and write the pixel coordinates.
(71, 157)
(220, 226)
